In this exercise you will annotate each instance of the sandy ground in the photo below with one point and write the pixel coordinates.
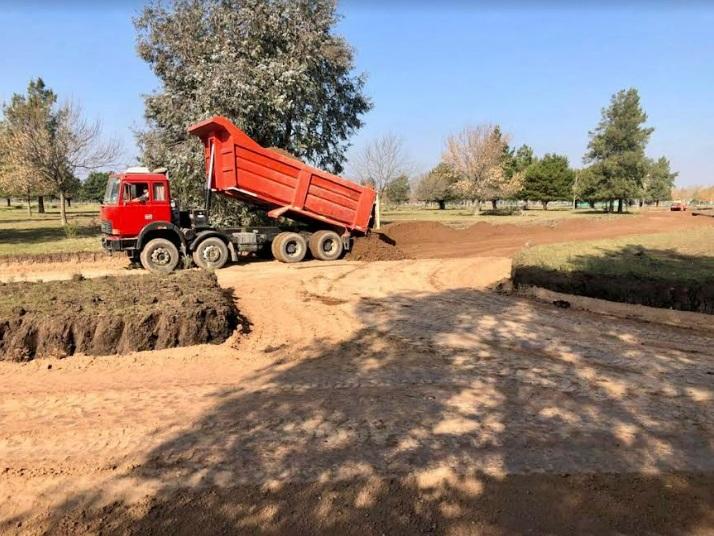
(388, 397)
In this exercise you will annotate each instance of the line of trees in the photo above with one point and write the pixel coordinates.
(478, 165)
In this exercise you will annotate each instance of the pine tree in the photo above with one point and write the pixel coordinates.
(548, 179)
(659, 181)
(616, 150)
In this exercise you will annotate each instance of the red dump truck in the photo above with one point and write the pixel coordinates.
(139, 217)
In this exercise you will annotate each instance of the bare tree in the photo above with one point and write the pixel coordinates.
(476, 153)
(382, 161)
(55, 147)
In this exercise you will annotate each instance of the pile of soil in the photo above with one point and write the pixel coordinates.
(376, 246)
(695, 296)
(113, 315)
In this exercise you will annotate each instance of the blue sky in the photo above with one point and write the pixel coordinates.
(542, 71)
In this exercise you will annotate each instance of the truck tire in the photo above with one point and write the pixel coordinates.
(211, 254)
(290, 247)
(326, 245)
(159, 256)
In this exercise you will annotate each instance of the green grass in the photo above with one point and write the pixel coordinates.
(466, 215)
(21, 234)
(672, 256)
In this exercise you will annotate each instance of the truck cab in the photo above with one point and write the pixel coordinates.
(133, 200)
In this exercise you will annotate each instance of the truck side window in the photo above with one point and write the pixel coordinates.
(159, 191)
(136, 192)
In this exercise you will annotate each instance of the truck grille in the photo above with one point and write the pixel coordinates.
(106, 227)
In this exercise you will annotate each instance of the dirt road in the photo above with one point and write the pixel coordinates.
(395, 397)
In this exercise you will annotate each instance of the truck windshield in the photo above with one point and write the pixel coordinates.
(111, 195)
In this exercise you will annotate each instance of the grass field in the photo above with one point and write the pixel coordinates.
(21, 234)
(672, 270)
(466, 215)
(679, 255)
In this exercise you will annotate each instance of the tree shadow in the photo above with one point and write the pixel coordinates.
(34, 235)
(664, 278)
(456, 412)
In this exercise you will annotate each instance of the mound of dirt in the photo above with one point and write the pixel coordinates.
(113, 315)
(376, 246)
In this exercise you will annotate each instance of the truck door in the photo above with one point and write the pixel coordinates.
(136, 209)
(160, 203)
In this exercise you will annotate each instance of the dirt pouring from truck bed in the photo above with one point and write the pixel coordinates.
(113, 315)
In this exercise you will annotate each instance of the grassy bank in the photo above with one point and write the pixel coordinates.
(672, 270)
(22, 234)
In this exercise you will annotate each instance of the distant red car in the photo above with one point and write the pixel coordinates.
(678, 206)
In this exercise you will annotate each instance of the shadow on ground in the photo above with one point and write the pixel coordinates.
(634, 274)
(456, 412)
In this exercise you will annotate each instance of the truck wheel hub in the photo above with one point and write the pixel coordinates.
(160, 256)
(212, 254)
(328, 246)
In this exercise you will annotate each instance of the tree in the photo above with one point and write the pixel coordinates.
(438, 186)
(94, 186)
(397, 191)
(616, 150)
(521, 159)
(51, 143)
(548, 179)
(380, 162)
(276, 69)
(659, 181)
(17, 114)
(476, 154)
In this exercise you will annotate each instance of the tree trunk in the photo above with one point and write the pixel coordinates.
(9, 203)
(545, 205)
(611, 205)
(657, 203)
(63, 209)
(29, 205)
(69, 202)
(494, 203)
(40, 204)
(592, 204)
(477, 208)
(619, 206)
(442, 204)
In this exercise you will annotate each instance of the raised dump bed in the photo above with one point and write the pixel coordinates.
(240, 168)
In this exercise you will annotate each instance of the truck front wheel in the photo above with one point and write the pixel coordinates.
(211, 254)
(160, 256)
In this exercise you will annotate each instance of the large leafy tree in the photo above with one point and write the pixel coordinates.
(438, 186)
(659, 181)
(274, 67)
(616, 150)
(548, 179)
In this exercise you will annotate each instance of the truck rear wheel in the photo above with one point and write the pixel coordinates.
(159, 256)
(289, 247)
(326, 245)
(211, 254)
